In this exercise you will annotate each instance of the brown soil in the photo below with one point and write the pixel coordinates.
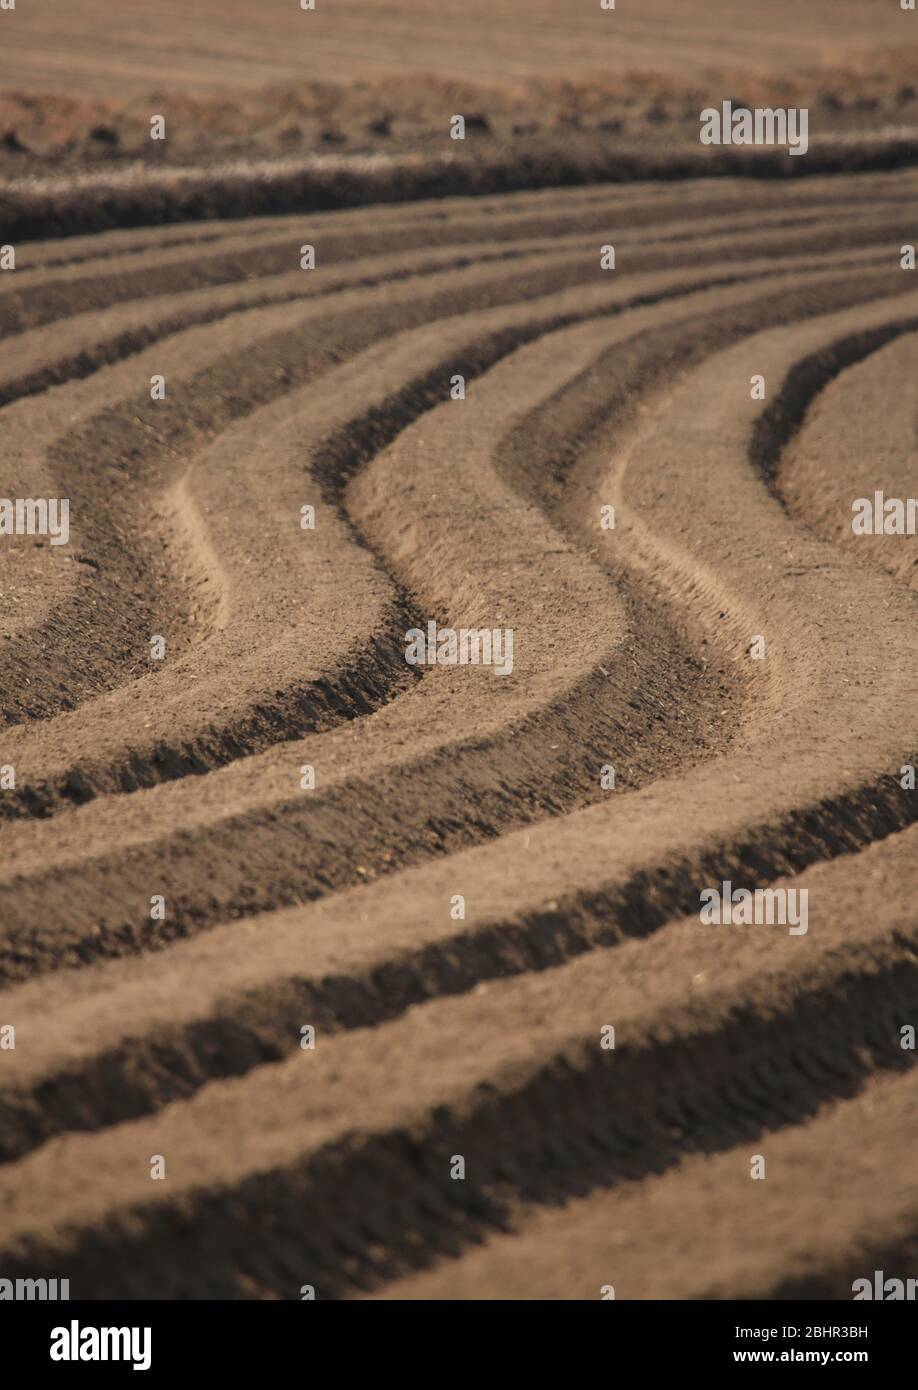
(440, 1035)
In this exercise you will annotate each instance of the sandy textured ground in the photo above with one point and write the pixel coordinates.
(440, 1035)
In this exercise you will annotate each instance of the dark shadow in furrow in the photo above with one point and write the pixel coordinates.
(369, 1209)
(894, 1258)
(781, 420)
(130, 248)
(372, 676)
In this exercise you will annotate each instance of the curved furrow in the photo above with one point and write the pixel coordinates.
(54, 254)
(854, 425)
(704, 1231)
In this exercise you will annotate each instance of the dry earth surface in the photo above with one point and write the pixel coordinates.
(331, 906)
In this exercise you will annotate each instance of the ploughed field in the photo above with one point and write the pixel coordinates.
(176, 906)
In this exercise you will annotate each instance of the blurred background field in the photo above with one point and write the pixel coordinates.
(79, 79)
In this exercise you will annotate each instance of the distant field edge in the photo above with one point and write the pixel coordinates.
(135, 196)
